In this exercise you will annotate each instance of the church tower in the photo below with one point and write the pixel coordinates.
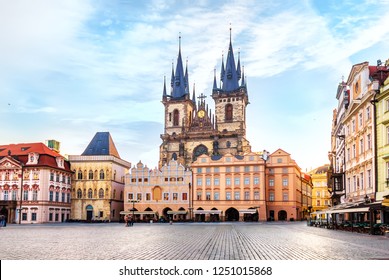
(191, 129)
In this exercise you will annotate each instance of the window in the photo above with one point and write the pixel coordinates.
(5, 195)
(79, 193)
(369, 183)
(208, 170)
(360, 119)
(199, 181)
(237, 195)
(228, 195)
(175, 196)
(369, 141)
(199, 170)
(237, 181)
(51, 195)
(63, 197)
(279, 160)
(199, 195)
(247, 181)
(57, 196)
(271, 196)
(90, 193)
(79, 175)
(208, 181)
(68, 197)
(361, 180)
(285, 196)
(13, 195)
(237, 169)
(247, 169)
(271, 182)
(285, 182)
(216, 181)
(185, 196)
(51, 176)
(24, 216)
(246, 195)
(33, 216)
(216, 170)
(57, 178)
(90, 177)
(130, 196)
(354, 151)
(102, 175)
(361, 146)
(25, 194)
(208, 196)
(353, 125)
(166, 196)
(216, 196)
(101, 193)
(355, 183)
(368, 113)
(176, 117)
(256, 181)
(228, 181)
(228, 112)
(256, 195)
(148, 196)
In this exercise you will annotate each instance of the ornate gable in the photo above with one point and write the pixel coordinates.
(9, 163)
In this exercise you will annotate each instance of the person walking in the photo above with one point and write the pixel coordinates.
(126, 220)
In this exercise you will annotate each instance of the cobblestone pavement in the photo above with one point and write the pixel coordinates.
(190, 241)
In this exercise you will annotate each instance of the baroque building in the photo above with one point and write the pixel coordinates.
(321, 197)
(191, 128)
(98, 183)
(35, 184)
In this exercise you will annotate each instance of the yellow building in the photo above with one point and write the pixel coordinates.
(152, 194)
(382, 125)
(98, 183)
(321, 197)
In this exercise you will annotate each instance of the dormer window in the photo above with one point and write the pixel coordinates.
(33, 158)
(60, 162)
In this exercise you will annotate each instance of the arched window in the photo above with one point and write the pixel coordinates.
(79, 175)
(101, 193)
(79, 193)
(199, 150)
(229, 110)
(90, 175)
(102, 175)
(176, 117)
(90, 193)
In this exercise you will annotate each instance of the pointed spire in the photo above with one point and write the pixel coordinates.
(194, 94)
(164, 95)
(186, 78)
(214, 79)
(243, 81)
(172, 79)
(230, 79)
(179, 90)
(238, 72)
(222, 71)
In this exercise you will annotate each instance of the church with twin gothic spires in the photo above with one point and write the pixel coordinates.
(192, 128)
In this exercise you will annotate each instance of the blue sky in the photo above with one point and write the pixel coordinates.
(69, 69)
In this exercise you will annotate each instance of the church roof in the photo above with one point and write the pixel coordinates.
(101, 145)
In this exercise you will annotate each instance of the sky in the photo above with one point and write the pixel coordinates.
(69, 69)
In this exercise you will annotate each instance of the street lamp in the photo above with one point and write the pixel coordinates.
(265, 157)
(21, 193)
(133, 207)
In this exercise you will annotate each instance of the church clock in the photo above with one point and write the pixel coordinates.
(201, 114)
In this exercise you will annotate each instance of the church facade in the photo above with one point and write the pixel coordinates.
(192, 128)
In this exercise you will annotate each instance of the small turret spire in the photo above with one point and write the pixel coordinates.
(214, 79)
(164, 94)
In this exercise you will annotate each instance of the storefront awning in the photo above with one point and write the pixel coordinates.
(248, 211)
(211, 212)
(137, 213)
(183, 212)
(348, 210)
(385, 202)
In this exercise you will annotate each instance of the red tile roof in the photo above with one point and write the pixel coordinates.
(26, 148)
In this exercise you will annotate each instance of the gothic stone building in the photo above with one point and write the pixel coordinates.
(191, 129)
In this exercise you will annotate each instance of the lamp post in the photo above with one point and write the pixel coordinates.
(133, 201)
(265, 157)
(21, 193)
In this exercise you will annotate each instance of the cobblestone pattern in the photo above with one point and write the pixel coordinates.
(224, 241)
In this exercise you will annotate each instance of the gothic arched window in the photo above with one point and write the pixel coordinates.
(90, 175)
(79, 175)
(101, 193)
(90, 193)
(229, 110)
(199, 150)
(176, 117)
(102, 174)
(79, 193)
